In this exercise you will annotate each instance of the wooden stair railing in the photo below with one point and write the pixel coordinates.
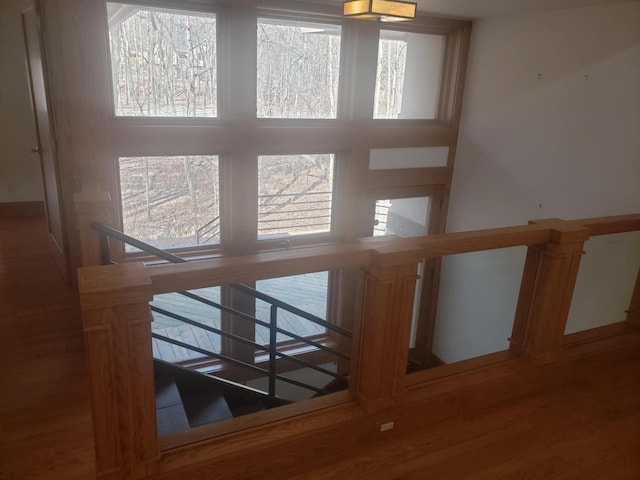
(115, 305)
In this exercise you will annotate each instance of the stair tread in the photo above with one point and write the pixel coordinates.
(206, 407)
(172, 419)
(247, 408)
(167, 393)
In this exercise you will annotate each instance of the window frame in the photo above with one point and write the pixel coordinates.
(299, 240)
(117, 249)
(262, 13)
(189, 7)
(420, 353)
(401, 27)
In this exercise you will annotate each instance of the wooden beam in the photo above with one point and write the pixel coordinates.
(609, 225)
(247, 268)
(465, 242)
(407, 177)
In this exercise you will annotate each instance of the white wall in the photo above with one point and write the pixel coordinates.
(555, 146)
(20, 178)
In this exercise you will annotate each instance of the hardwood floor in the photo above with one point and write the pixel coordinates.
(46, 412)
(583, 422)
(577, 419)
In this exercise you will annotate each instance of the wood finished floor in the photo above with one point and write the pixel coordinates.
(46, 413)
(581, 422)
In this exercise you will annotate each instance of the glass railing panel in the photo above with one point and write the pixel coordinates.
(475, 310)
(607, 275)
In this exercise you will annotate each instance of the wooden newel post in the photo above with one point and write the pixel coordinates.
(117, 333)
(552, 271)
(386, 326)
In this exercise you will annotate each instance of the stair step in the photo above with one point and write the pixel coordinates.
(206, 407)
(167, 393)
(248, 408)
(172, 419)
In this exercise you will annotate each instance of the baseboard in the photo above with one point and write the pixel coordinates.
(597, 333)
(21, 210)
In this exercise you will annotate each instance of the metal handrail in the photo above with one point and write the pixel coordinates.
(238, 363)
(207, 228)
(123, 237)
(249, 318)
(242, 340)
(278, 195)
(290, 308)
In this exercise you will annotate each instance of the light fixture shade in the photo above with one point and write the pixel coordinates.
(389, 9)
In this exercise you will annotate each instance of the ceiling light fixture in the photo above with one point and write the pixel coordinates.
(385, 10)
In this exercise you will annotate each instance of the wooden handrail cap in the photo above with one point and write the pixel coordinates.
(569, 234)
(103, 286)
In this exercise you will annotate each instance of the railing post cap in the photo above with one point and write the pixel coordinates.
(563, 231)
(397, 254)
(110, 285)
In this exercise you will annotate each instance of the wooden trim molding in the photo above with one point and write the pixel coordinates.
(594, 334)
(633, 313)
(15, 210)
(447, 370)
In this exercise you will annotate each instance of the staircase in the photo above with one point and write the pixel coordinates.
(188, 398)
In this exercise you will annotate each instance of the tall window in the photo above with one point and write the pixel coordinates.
(298, 69)
(171, 201)
(163, 62)
(285, 95)
(245, 129)
(408, 78)
(295, 194)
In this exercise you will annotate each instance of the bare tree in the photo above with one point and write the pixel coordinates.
(165, 64)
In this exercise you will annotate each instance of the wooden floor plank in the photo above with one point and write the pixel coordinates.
(578, 420)
(46, 426)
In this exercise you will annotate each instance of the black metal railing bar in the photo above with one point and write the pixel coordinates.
(279, 195)
(290, 308)
(266, 325)
(123, 237)
(112, 232)
(238, 363)
(108, 232)
(242, 340)
(208, 231)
